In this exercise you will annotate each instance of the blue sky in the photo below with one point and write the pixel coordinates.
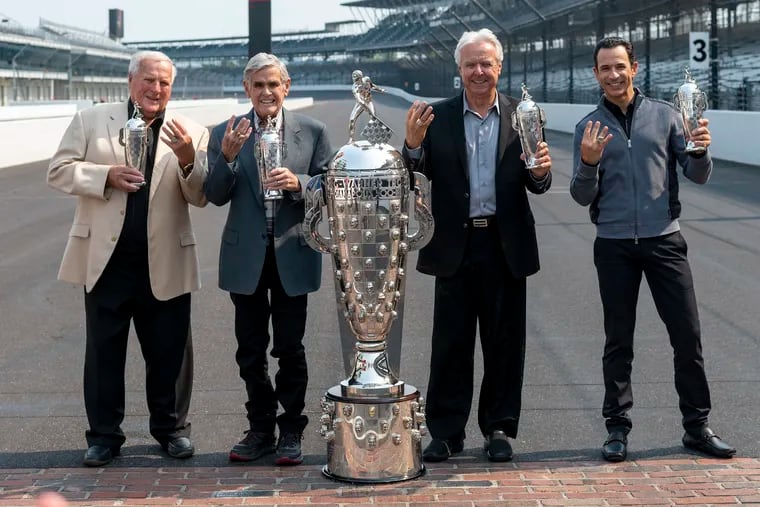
(177, 19)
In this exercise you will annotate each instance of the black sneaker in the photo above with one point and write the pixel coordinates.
(289, 449)
(253, 446)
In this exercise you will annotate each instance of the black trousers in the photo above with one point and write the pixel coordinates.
(620, 264)
(484, 295)
(122, 294)
(288, 314)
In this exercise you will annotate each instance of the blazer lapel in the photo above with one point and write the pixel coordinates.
(457, 131)
(291, 136)
(161, 160)
(114, 127)
(247, 162)
(506, 133)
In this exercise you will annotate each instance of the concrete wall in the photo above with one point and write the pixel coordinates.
(32, 133)
(733, 132)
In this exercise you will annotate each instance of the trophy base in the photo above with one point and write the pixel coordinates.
(273, 195)
(531, 163)
(692, 148)
(373, 440)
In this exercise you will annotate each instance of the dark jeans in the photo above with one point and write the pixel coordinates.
(481, 295)
(620, 264)
(122, 294)
(252, 313)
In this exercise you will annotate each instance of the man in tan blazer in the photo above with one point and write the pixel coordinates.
(132, 246)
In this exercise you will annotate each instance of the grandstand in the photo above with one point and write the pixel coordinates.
(54, 61)
(410, 44)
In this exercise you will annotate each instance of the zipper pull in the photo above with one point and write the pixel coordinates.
(629, 142)
(635, 236)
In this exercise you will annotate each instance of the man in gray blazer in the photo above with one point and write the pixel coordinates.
(264, 262)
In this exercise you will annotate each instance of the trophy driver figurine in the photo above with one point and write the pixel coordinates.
(372, 421)
(362, 90)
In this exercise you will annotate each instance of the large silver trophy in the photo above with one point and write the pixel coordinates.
(691, 102)
(135, 141)
(372, 421)
(270, 152)
(528, 120)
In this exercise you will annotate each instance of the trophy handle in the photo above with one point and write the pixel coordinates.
(515, 127)
(314, 201)
(422, 213)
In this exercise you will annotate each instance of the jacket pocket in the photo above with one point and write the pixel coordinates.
(80, 231)
(186, 239)
(230, 237)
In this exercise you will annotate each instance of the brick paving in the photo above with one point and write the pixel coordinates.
(656, 482)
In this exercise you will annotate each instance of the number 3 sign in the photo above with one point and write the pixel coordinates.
(699, 50)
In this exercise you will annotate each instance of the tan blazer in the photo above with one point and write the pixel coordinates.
(89, 147)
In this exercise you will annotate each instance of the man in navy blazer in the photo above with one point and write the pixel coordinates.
(264, 262)
(483, 249)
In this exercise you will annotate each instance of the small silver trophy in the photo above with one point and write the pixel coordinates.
(136, 142)
(528, 120)
(372, 421)
(691, 102)
(270, 151)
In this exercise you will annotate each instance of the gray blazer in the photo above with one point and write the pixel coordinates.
(244, 240)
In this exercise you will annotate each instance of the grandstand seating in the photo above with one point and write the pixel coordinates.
(412, 48)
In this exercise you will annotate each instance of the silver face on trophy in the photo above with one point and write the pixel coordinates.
(528, 120)
(270, 152)
(691, 102)
(135, 141)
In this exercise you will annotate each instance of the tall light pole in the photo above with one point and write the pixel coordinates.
(259, 27)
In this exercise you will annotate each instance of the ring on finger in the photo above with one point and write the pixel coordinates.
(173, 139)
(600, 139)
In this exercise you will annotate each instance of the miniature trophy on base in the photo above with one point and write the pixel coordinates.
(135, 142)
(691, 102)
(372, 421)
(269, 154)
(528, 120)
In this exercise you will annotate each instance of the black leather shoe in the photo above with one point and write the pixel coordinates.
(497, 447)
(99, 455)
(615, 448)
(440, 450)
(706, 441)
(179, 447)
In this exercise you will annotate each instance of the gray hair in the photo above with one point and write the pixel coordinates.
(262, 60)
(141, 56)
(482, 35)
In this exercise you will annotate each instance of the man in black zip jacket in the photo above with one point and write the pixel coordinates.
(625, 157)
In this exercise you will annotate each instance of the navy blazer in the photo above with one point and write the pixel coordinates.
(444, 162)
(244, 239)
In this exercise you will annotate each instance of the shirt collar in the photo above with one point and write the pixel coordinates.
(277, 121)
(466, 105)
(614, 107)
(158, 120)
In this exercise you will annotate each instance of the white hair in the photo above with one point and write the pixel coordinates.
(482, 35)
(262, 60)
(141, 56)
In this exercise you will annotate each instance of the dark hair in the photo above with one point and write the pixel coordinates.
(613, 42)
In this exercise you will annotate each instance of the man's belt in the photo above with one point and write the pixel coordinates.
(482, 221)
